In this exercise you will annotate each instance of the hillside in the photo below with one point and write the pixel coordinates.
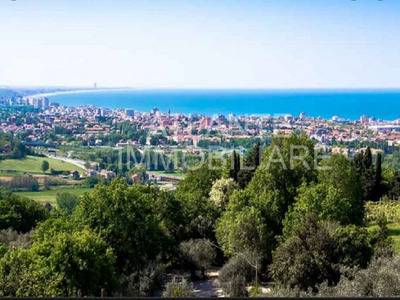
(33, 164)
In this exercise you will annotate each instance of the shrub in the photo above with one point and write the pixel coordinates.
(142, 283)
(67, 202)
(380, 279)
(21, 214)
(178, 289)
(197, 255)
(315, 252)
(12, 238)
(234, 275)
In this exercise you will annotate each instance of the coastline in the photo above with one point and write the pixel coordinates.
(77, 92)
(346, 104)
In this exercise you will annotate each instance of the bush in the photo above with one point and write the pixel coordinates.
(33, 187)
(11, 238)
(387, 208)
(380, 279)
(234, 275)
(178, 289)
(315, 252)
(289, 292)
(92, 181)
(55, 172)
(67, 202)
(142, 283)
(21, 214)
(197, 255)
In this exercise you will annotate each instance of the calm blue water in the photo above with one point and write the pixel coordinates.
(350, 104)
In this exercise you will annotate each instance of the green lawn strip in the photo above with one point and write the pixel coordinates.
(174, 174)
(33, 164)
(50, 195)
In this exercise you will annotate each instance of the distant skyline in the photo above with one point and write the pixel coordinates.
(231, 44)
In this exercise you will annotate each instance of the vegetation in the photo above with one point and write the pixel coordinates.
(50, 196)
(45, 166)
(33, 165)
(20, 214)
(176, 289)
(197, 255)
(310, 228)
(67, 202)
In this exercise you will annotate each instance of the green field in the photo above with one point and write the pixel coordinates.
(394, 233)
(50, 195)
(33, 165)
(174, 174)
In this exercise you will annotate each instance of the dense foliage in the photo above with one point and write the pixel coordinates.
(293, 219)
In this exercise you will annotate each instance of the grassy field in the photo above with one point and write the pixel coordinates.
(33, 165)
(50, 195)
(175, 174)
(394, 233)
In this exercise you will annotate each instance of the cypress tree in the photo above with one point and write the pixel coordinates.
(367, 159)
(378, 177)
(235, 166)
(253, 160)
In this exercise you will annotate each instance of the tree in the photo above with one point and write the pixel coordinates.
(316, 251)
(92, 181)
(221, 191)
(193, 193)
(235, 166)
(394, 186)
(21, 214)
(274, 186)
(197, 255)
(126, 219)
(67, 202)
(364, 164)
(378, 189)
(336, 197)
(63, 261)
(242, 231)
(45, 166)
(326, 203)
(171, 214)
(88, 165)
(252, 162)
(234, 275)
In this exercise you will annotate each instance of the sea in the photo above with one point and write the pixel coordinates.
(346, 104)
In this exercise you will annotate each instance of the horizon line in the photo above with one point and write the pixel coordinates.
(90, 88)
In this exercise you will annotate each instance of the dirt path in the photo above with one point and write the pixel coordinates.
(203, 288)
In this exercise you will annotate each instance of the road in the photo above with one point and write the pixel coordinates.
(76, 162)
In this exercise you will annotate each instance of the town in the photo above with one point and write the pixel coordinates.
(93, 126)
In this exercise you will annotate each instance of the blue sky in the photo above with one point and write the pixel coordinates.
(201, 43)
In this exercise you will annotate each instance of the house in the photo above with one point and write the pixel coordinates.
(74, 174)
(108, 174)
(91, 173)
(338, 150)
(135, 178)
